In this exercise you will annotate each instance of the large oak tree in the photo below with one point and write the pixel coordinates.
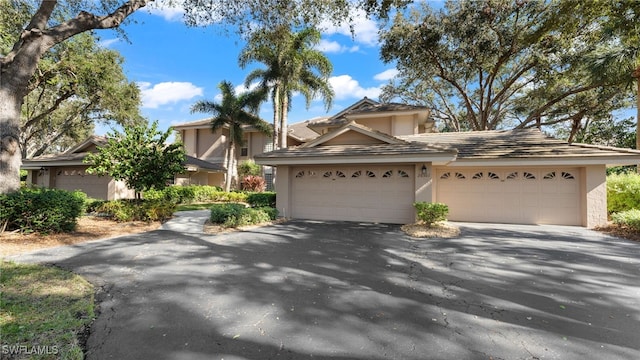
(498, 64)
(43, 30)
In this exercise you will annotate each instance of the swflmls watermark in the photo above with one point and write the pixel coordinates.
(29, 350)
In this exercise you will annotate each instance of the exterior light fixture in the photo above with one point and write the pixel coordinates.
(424, 169)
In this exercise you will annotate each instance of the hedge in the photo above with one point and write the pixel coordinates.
(41, 210)
(135, 210)
(234, 215)
(261, 199)
(623, 192)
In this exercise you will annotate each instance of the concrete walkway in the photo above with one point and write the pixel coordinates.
(331, 290)
(187, 222)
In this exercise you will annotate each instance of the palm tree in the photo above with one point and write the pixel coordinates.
(234, 112)
(292, 65)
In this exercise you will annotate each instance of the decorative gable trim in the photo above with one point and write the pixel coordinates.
(93, 140)
(365, 102)
(353, 126)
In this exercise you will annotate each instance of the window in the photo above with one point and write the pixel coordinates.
(403, 174)
(387, 174)
(512, 176)
(550, 176)
(478, 176)
(460, 176)
(327, 174)
(340, 174)
(567, 176)
(244, 151)
(445, 175)
(356, 174)
(528, 176)
(300, 174)
(370, 174)
(493, 176)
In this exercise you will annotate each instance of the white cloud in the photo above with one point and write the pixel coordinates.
(335, 47)
(386, 75)
(171, 10)
(108, 42)
(365, 30)
(167, 93)
(345, 87)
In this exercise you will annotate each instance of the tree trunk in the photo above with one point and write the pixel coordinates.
(231, 155)
(283, 122)
(10, 153)
(276, 116)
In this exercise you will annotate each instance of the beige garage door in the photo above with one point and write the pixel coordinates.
(77, 179)
(383, 194)
(520, 195)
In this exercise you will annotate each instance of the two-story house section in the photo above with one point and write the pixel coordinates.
(390, 118)
(207, 151)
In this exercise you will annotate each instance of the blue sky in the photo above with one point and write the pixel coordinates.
(175, 66)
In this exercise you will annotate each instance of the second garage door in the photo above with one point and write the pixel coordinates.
(383, 194)
(519, 195)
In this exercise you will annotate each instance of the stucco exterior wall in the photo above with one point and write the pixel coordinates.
(405, 125)
(382, 124)
(211, 146)
(351, 138)
(283, 189)
(594, 195)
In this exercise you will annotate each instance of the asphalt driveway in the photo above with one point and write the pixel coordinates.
(323, 290)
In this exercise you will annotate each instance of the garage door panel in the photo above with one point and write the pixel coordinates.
(519, 195)
(359, 193)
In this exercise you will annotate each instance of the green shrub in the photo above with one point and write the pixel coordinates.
(629, 218)
(272, 212)
(262, 199)
(204, 193)
(137, 210)
(247, 168)
(42, 210)
(185, 194)
(431, 213)
(220, 213)
(623, 192)
(234, 215)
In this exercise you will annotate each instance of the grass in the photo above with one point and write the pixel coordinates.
(43, 310)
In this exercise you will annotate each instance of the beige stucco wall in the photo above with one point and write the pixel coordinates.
(211, 146)
(283, 190)
(382, 124)
(594, 195)
(352, 138)
(405, 125)
(424, 183)
(189, 141)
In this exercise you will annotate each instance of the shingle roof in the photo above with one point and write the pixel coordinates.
(522, 143)
(356, 150)
(386, 107)
(301, 132)
(202, 164)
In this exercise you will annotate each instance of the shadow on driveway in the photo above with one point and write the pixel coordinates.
(330, 290)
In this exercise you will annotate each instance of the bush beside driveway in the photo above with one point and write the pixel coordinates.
(362, 291)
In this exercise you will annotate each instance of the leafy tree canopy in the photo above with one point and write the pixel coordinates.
(292, 65)
(77, 84)
(140, 157)
(497, 64)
